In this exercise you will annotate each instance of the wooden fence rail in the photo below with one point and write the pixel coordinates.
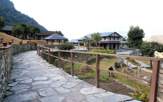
(155, 63)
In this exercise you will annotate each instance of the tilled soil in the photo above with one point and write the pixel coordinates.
(113, 86)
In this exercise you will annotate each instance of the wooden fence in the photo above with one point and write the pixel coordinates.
(158, 78)
(155, 94)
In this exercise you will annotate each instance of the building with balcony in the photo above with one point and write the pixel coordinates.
(112, 40)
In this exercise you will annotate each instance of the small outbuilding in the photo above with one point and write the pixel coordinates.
(55, 39)
(7, 29)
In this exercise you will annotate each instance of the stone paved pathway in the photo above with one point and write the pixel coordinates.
(35, 80)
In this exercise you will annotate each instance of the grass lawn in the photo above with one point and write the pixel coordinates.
(141, 91)
(105, 63)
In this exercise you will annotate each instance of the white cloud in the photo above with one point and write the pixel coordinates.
(75, 18)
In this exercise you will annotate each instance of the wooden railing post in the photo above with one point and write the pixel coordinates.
(42, 50)
(59, 61)
(49, 55)
(154, 82)
(38, 49)
(97, 70)
(72, 64)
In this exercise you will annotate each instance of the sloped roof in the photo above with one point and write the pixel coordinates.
(55, 37)
(48, 33)
(7, 28)
(102, 34)
(74, 40)
(106, 33)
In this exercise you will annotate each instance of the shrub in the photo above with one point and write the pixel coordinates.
(148, 48)
(66, 46)
(102, 50)
(141, 94)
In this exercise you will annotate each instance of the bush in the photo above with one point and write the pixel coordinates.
(66, 46)
(148, 48)
(102, 50)
(141, 94)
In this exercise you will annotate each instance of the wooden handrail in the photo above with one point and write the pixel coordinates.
(105, 54)
(155, 66)
(67, 60)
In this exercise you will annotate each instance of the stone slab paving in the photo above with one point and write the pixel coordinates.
(35, 80)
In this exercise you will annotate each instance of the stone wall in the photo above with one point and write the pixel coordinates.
(5, 67)
(6, 54)
(16, 49)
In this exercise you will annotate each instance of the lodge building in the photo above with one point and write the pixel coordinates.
(110, 40)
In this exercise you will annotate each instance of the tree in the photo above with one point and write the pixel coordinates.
(58, 32)
(135, 37)
(24, 31)
(18, 31)
(32, 32)
(2, 23)
(87, 42)
(96, 38)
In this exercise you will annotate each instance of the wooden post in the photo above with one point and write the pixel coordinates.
(72, 64)
(38, 47)
(97, 70)
(154, 83)
(151, 63)
(40, 51)
(49, 55)
(59, 61)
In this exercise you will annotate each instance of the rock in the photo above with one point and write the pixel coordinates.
(91, 90)
(13, 84)
(7, 93)
(40, 78)
(70, 84)
(26, 81)
(41, 83)
(52, 99)
(46, 92)
(58, 84)
(29, 96)
(62, 90)
(20, 87)
(91, 98)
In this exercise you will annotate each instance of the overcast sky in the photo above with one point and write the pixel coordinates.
(76, 18)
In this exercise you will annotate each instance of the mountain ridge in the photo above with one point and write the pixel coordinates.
(12, 16)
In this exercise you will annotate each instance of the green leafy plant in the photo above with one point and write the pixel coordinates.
(102, 50)
(141, 94)
(66, 46)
